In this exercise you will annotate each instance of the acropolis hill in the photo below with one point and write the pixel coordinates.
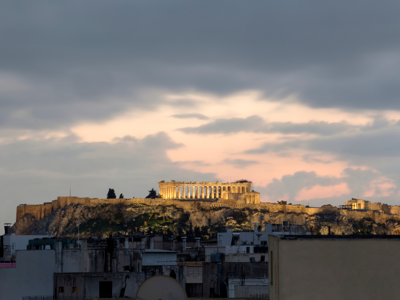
(214, 205)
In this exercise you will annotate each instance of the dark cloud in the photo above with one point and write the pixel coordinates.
(67, 62)
(226, 126)
(94, 59)
(257, 124)
(240, 163)
(191, 116)
(380, 138)
(319, 128)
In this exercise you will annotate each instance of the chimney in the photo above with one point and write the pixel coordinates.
(229, 230)
(198, 242)
(152, 242)
(255, 226)
(7, 228)
(184, 243)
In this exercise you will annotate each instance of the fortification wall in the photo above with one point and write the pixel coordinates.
(42, 210)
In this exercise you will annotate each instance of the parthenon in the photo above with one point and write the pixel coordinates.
(239, 191)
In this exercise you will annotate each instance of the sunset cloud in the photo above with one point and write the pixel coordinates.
(130, 93)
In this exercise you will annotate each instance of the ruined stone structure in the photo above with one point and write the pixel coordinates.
(239, 191)
(355, 203)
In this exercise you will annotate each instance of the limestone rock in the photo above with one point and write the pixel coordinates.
(104, 219)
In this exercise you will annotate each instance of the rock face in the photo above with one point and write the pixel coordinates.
(101, 220)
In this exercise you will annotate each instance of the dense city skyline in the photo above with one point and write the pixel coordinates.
(299, 98)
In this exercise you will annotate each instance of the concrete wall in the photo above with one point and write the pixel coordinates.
(93, 260)
(327, 268)
(249, 270)
(159, 258)
(19, 242)
(33, 275)
(249, 288)
(245, 257)
(87, 284)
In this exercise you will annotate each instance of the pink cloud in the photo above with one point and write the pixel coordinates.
(323, 192)
(380, 187)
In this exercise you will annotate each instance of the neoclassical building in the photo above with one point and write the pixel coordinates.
(239, 191)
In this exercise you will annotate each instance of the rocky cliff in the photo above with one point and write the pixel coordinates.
(101, 220)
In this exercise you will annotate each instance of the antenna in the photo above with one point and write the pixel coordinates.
(70, 188)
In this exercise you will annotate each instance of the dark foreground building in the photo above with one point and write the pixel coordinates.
(333, 267)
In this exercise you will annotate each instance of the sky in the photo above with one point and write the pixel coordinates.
(299, 97)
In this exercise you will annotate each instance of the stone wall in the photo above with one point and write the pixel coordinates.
(42, 210)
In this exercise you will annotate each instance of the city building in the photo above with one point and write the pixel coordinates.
(10, 243)
(328, 267)
(89, 268)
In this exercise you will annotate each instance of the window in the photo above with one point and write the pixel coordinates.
(74, 289)
(60, 289)
(105, 289)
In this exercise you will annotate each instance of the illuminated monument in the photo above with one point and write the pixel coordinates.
(237, 191)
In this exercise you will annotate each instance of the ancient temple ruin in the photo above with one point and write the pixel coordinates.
(239, 191)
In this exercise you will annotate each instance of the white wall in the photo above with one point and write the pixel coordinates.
(33, 275)
(159, 259)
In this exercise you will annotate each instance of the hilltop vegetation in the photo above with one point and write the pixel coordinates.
(104, 219)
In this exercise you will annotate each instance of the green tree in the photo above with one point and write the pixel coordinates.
(111, 194)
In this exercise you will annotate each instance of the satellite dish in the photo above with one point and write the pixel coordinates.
(161, 287)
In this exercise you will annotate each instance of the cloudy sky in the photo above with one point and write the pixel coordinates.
(300, 97)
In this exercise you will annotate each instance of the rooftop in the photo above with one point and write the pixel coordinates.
(338, 237)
